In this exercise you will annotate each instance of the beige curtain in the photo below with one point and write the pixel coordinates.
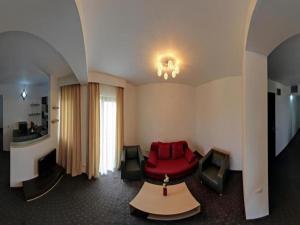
(120, 124)
(94, 129)
(70, 130)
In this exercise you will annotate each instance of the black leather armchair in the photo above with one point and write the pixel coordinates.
(213, 168)
(132, 163)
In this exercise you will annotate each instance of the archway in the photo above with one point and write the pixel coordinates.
(262, 39)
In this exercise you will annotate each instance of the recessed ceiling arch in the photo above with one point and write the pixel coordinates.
(57, 22)
(27, 59)
(273, 22)
(283, 62)
(124, 38)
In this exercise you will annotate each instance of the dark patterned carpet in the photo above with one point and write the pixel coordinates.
(105, 200)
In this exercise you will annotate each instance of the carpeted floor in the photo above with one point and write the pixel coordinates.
(105, 200)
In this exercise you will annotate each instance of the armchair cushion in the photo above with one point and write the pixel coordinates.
(132, 165)
(177, 150)
(189, 155)
(211, 174)
(131, 153)
(164, 151)
(152, 159)
(217, 159)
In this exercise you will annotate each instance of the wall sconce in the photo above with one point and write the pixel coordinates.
(24, 94)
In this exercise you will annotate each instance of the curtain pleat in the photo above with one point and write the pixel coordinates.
(120, 125)
(70, 130)
(94, 129)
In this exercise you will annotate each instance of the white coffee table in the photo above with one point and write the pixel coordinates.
(178, 204)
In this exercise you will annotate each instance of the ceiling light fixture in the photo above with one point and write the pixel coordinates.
(168, 66)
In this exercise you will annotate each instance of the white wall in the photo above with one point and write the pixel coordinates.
(255, 136)
(165, 112)
(23, 160)
(202, 115)
(218, 118)
(130, 115)
(16, 109)
(286, 115)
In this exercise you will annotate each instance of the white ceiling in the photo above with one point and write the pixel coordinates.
(283, 62)
(55, 21)
(27, 59)
(273, 22)
(273, 32)
(124, 38)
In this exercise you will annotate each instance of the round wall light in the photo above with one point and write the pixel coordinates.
(24, 94)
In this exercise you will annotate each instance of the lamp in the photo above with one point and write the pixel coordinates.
(167, 66)
(24, 94)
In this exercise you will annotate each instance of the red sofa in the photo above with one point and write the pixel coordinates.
(174, 159)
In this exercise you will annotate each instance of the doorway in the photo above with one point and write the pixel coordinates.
(1, 123)
(271, 129)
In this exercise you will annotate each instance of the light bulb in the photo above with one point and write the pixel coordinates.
(173, 74)
(170, 64)
(176, 68)
(159, 72)
(166, 76)
(160, 66)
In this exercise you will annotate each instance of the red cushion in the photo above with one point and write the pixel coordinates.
(164, 151)
(175, 168)
(177, 150)
(154, 146)
(152, 159)
(189, 155)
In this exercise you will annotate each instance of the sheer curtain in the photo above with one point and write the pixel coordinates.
(108, 133)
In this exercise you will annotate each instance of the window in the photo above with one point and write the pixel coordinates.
(108, 110)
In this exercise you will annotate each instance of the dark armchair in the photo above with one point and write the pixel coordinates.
(132, 163)
(213, 168)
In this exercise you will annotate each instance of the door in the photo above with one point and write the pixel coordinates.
(271, 128)
(1, 122)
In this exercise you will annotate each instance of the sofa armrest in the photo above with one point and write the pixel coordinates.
(224, 167)
(204, 160)
(123, 161)
(152, 159)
